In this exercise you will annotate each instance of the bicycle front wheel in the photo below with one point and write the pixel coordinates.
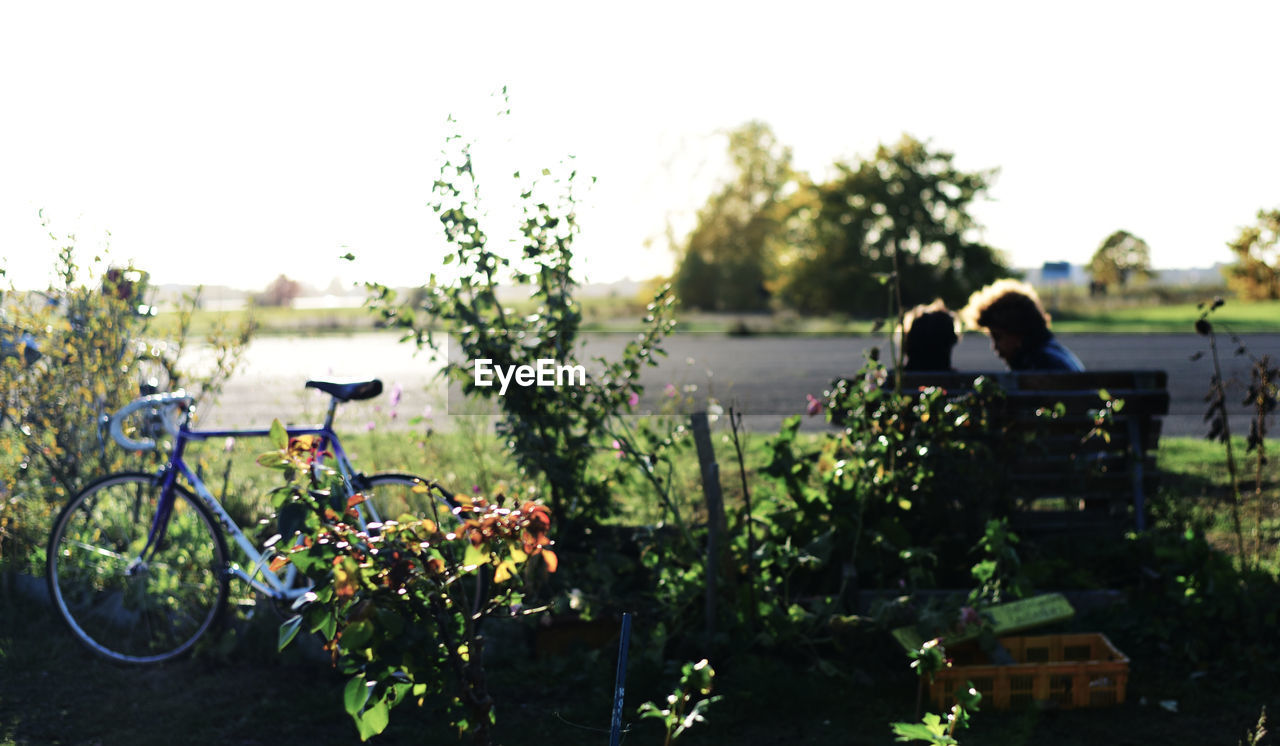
(123, 604)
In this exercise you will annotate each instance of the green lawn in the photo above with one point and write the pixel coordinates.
(1263, 316)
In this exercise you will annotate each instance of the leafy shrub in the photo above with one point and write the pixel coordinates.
(389, 599)
(72, 354)
(901, 486)
(554, 431)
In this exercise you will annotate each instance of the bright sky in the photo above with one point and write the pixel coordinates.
(228, 143)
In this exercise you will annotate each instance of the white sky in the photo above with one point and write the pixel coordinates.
(228, 143)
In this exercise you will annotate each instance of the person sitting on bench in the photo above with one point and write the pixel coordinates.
(929, 335)
(1011, 314)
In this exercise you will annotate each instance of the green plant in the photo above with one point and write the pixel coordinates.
(929, 659)
(687, 705)
(999, 572)
(905, 465)
(553, 431)
(1261, 396)
(389, 600)
(932, 729)
(84, 349)
(1258, 732)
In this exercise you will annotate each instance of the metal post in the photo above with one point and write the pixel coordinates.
(619, 687)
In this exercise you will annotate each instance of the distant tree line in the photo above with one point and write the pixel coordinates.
(770, 236)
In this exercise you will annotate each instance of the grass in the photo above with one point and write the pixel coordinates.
(1197, 492)
(1262, 316)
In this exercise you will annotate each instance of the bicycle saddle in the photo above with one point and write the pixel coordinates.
(348, 390)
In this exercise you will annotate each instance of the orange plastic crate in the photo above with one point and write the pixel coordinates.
(1063, 671)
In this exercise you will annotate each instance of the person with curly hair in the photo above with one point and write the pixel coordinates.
(1010, 312)
(929, 334)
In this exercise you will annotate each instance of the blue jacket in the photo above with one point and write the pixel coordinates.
(1047, 354)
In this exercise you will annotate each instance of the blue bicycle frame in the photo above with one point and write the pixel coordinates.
(272, 584)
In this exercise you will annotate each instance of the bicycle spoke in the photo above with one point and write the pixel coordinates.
(125, 606)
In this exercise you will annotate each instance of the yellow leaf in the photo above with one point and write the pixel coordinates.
(475, 556)
(517, 554)
(504, 571)
(345, 582)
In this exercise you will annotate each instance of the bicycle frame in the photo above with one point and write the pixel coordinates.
(271, 584)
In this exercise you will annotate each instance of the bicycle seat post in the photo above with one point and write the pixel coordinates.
(333, 408)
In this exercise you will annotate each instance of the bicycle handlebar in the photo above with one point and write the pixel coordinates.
(160, 404)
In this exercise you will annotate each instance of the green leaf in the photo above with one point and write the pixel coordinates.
(356, 694)
(355, 636)
(930, 730)
(272, 460)
(278, 436)
(372, 721)
(288, 631)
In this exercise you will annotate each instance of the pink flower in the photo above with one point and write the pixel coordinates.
(396, 391)
(633, 399)
(814, 406)
(229, 444)
(670, 390)
(617, 450)
(369, 425)
(427, 412)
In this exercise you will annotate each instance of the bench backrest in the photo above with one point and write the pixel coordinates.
(1056, 461)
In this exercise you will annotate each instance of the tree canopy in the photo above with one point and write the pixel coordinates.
(727, 259)
(1120, 257)
(282, 291)
(908, 205)
(1256, 273)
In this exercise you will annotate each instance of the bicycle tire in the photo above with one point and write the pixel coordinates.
(393, 494)
(118, 606)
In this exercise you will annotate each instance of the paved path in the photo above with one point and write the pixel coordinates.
(765, 377)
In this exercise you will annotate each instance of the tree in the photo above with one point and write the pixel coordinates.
(1256, 273)
(906, 206)
(1119, 257)
(281, 292)
(725, 263)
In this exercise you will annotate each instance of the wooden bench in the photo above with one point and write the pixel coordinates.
(1060, 474)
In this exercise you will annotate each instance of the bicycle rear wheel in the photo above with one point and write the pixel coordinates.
(124, 606)
(390, 496)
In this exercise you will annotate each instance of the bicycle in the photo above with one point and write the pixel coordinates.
(138, 565)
